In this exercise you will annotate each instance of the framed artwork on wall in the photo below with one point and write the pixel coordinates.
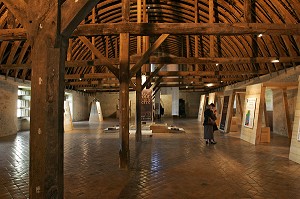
(250, 112)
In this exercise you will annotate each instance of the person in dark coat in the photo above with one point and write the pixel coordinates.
(209, 122)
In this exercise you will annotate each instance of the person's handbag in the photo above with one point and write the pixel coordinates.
(211, 121)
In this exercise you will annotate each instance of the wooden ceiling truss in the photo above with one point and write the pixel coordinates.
(217, 39)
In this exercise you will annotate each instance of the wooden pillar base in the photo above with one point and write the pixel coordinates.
(124, 159)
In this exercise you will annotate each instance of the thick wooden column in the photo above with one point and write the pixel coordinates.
(46, 125)
(196, 36)
(124, 99)
(48, 55)
(138, 134)
(124, 78)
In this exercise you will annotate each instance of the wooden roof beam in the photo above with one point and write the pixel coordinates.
(169, 60)
(13, 34)
(187, 29)
(169, 28)
(90, 76)
(209, 73)
(190, 60)
(147, 54)
(281, 84)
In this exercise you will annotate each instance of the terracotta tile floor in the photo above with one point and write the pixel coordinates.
(163, 166)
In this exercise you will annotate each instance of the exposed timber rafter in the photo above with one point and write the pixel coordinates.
(147, 54)
(152, 75)
(109, 65)
(73, 12)
(18, 9)
(156, 84)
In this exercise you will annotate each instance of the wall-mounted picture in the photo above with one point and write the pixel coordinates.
(250, 112)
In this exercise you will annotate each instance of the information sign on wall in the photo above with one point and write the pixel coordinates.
(201, 106)
(146, 107)
(224, 113)
(250, 112)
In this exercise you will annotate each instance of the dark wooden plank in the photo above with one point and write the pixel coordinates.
(187, 29)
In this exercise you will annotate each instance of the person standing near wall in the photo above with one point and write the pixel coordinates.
(209, 122)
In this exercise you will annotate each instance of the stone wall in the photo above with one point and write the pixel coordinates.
(295, 141)
(80, 106)
(192, 100)
(109, 102)
(8, 108)
(279, 119)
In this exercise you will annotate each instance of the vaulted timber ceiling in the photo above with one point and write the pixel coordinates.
(213, 41)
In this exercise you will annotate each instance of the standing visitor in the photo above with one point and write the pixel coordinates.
(209, 122)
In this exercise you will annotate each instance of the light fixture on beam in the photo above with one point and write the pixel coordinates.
(209, 84)
(260, 35)
(217, 64)
(275, 60)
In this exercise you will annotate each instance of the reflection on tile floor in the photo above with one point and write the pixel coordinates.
(163, 166)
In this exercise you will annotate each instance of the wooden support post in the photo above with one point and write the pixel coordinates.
(287, 115)
(196, 36)
(260, 114)
(124, 78)
(266, 114)
(138, 134)
(229, 112)
(124, 100)
(93, 38)
(46, 126)
(238, 97)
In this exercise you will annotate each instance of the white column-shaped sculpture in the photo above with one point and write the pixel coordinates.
(96, 113)
(68, 124)
(99, 111)
(157, 103)
(175, 101)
